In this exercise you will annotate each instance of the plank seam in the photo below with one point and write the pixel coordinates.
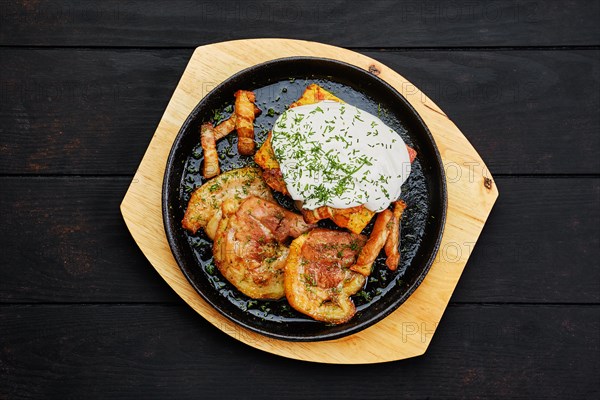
(361, 49)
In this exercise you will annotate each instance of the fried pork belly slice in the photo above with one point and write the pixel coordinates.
(204, 207)
(210, 168)
(393, 239)
(370, 251)
(354, 219)
(282, 223)
(209, 137)
(318, 282)
(227, 126)
(249, 247)
(244, 121)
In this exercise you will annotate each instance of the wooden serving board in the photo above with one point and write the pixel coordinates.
(406, 332)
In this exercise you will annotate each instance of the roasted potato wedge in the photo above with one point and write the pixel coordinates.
(314, 94)
(265, 158)
(354, 219)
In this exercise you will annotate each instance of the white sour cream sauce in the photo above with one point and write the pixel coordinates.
(334, 154)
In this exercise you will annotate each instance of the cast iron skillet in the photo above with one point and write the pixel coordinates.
(278, 83)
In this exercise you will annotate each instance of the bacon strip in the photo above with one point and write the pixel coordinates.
(227, 126)
(244, 121)
(368, 254)
(209, 145)
(393, 239)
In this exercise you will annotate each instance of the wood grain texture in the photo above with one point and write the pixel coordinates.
(515, 106)
(471, 196)
(58, 115)
(148, 352)
(93, 110)
(71, 113)
(538, 244)
(384, 23)
(65, 241)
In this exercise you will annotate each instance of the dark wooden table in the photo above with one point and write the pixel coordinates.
(83, 86)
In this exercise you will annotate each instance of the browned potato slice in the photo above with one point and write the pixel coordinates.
(236, 184)
(265, 158)
(318, 282)
(354, 219)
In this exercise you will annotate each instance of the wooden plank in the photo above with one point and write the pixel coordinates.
(491, 352)
(92, 111)
(538, 245)
(358, 23)
(64, 241)
(521, 110)
(95, 110)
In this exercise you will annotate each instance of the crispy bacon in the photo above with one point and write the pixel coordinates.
(368, 254)
(209, 146)
(227, 126)
(244, 121)
(393, 239)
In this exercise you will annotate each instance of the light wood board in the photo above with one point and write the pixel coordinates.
(406, 332)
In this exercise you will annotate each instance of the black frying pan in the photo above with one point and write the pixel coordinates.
(278, 83)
